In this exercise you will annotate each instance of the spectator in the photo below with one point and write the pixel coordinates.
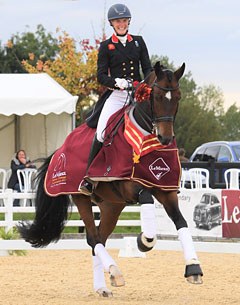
(181, 153)
(20, 161)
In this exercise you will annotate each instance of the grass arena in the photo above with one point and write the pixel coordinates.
(64, 277)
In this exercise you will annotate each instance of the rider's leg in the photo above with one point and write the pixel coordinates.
(86, 187)
(115, 102)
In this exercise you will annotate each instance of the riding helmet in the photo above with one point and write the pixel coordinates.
(118, 11)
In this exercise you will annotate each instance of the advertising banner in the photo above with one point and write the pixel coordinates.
(231, 213)
(201, 209)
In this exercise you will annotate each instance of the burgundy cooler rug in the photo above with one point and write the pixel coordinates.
(128, 154)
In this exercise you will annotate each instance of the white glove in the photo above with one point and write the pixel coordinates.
(121, 83)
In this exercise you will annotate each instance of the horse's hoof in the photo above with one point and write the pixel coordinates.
(116, 277)
(193, 272)
(104, 292)
(195, 279)
(145, 244)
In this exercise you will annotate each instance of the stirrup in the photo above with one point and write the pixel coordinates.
(86, 188)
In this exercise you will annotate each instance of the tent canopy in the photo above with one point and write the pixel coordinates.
(32, 94)
(36, 114)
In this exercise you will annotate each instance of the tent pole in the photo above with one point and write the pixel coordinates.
(17, 132)
(73, 120)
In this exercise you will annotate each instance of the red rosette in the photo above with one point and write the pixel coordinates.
(143, 92)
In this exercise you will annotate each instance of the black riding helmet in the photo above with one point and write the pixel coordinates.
(118, 11)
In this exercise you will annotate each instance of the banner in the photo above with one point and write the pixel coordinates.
(231, 213)
(201, 209)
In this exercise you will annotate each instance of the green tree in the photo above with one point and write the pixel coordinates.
(38, 45)
(75, 68)
(200, 112)
(230, 124)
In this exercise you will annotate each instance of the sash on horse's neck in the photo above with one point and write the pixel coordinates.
(141, 141)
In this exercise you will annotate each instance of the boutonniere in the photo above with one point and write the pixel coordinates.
(111, 46)
(143, 92)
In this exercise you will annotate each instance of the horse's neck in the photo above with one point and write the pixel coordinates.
(142, 116)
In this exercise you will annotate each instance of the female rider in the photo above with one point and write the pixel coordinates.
(119, 61)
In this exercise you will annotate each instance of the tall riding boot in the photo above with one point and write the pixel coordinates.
(86, 187)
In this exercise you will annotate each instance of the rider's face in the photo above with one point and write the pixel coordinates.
(120, 25)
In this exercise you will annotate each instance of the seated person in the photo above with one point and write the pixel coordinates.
(20, 161)
(181, 153)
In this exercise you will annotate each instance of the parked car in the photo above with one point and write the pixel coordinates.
(208, 211)
(220, 151)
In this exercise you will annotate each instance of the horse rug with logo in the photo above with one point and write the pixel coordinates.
(127, 154)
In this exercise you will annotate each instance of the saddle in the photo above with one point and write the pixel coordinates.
(121, 158)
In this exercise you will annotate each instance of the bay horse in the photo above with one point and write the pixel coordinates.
(155, 113)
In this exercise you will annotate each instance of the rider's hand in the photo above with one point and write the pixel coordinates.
(121, 83)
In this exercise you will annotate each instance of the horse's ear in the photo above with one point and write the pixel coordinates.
(179, 72)
(158, 69)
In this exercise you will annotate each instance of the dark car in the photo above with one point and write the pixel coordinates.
(219, 151)
(208, 211)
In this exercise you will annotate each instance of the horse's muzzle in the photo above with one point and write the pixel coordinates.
(165, 140)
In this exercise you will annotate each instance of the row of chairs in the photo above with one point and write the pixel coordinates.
(198, 178)
(25, 178)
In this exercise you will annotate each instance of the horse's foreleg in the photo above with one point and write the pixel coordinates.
(147, 239)
(193, 272)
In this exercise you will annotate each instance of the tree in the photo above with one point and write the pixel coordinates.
(230, 122)
(22, 46)
(74, 68)
(200, 113)
(211, 99)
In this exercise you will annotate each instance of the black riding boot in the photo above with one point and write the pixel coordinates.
(86, 187)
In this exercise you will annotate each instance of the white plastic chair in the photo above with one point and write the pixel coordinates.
(199, 178)
(3, 183)
(3, 180)
(184, 177)
(231, 177)
(26, 182)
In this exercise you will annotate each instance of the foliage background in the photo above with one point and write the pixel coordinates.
(201, 116)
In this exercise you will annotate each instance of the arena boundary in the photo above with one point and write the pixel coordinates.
(162, 245)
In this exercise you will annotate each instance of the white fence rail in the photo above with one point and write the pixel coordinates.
(9, 210)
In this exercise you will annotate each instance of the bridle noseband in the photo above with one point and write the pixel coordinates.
(166, 118)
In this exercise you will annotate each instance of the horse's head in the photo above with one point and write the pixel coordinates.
(164, 82)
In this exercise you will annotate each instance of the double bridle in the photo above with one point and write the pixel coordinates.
(166, 118)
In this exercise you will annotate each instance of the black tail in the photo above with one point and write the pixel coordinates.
(51, 214)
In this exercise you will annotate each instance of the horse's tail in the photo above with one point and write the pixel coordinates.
(50, 217)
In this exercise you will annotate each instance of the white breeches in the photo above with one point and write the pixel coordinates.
(117, 100)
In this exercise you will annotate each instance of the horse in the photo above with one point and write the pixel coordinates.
(155, 113)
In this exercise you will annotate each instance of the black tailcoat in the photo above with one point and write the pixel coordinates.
(118, 61)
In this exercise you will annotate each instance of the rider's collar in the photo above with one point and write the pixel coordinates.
(115, 39)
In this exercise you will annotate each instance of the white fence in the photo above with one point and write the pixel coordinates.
(8, 210)
(78, 244)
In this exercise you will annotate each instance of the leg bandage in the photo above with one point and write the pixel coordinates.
(187, 244)
(103, 255)
(148, 220)
(98, 273)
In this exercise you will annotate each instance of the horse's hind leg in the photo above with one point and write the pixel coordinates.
(109, 217)
(84, 206)
(193, 272)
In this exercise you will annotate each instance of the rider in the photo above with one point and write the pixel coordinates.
(118, 63)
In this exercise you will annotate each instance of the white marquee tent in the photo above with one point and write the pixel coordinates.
(36, 114)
